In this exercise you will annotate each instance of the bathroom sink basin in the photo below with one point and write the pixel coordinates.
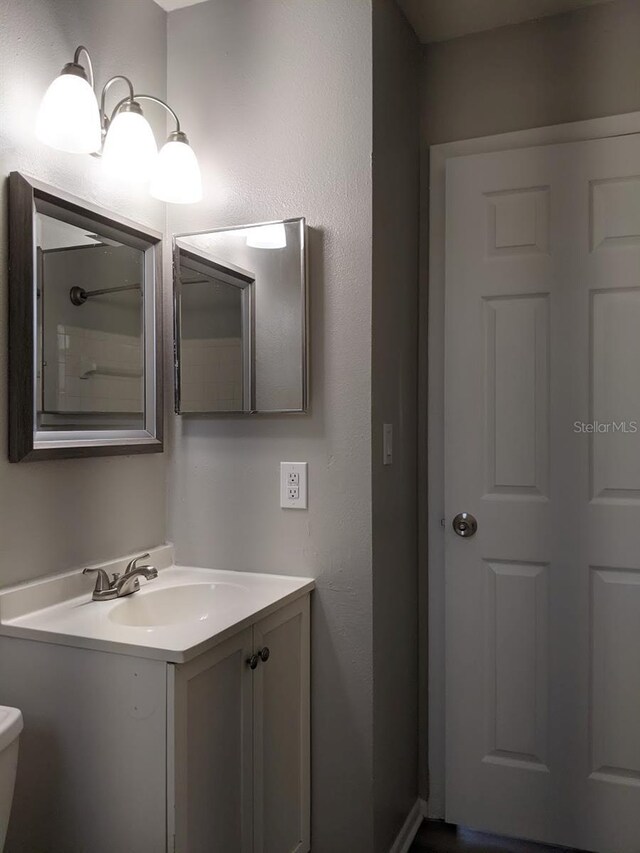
(183, 613)
(172, 605)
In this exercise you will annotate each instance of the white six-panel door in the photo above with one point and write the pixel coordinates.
(543, 603)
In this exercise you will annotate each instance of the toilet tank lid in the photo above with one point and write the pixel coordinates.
(10, 725)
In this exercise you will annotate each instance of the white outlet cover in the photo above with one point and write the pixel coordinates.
(287, 468)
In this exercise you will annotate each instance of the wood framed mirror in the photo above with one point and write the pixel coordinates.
(85, 328)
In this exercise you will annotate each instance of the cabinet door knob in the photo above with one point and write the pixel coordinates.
(264, 654)
(252, 662)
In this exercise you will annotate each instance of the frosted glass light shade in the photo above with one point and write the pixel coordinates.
(267, 237)
(176, 176)
(130, 149)
(68, 118)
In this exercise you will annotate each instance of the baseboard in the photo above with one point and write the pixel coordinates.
(410, 828)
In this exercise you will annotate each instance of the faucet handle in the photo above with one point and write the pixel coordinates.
(103, 584)
(132, 563)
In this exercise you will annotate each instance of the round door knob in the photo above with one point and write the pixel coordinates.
(264, 654)
(465, 524)
(252, 662)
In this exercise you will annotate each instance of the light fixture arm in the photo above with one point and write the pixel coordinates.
(103, 115)
(137, 97)
(76, 57)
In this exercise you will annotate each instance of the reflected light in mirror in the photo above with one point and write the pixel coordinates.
(267, 237)
(69, 119)
(130, 149)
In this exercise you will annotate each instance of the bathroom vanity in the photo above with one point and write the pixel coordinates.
(175, 719)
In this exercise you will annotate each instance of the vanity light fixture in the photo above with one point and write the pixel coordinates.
(176, 176)
(129, 149)
(70, 120)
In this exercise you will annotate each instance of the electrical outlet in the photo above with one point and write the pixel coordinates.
(293, 485)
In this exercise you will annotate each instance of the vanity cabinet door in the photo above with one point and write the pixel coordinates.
(281, 731)
(212, 752)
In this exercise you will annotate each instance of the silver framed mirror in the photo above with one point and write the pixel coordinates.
(240, 319)
(85, 328)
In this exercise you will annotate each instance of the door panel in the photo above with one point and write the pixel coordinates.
(614, 349)
(542, 424)
(213, 750)
(615, 697)
(517, 340)
(281, 732)
(516, 664)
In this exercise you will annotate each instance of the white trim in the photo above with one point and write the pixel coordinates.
(410, 828)
(439, 154)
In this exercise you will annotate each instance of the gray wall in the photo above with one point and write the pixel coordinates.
(55, 515)
(578, 65)
(276, 98)
(396, 57)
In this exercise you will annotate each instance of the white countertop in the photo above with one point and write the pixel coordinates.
(52, 611)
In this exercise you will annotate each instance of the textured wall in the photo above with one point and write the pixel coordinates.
(59, 514)
(396, 163)
(277, 102)
(569, 67)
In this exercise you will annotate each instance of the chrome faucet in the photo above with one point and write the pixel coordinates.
(130, 580)
(124, 584)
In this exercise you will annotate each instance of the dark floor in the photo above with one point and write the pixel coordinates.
(438, 837)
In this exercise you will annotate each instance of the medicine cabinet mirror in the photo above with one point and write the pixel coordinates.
(241, 319)
(85, 366)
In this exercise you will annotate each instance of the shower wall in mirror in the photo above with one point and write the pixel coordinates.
(90, 329)
(85, 328)
(241, 319)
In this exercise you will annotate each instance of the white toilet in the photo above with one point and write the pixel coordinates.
(10, 728)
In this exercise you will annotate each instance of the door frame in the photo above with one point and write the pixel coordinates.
(434, 763)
